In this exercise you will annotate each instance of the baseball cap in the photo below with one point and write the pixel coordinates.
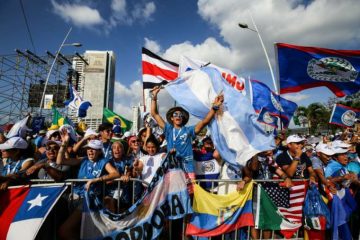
(339, 150)
(14, 142)
(94, 144)
(341, 144)
(52, 142)
(324, 148)
(89, 132)
(294, 139)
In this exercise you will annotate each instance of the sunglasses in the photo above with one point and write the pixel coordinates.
(134, 141)
(108, 130)
(52, 148)
(178, 114)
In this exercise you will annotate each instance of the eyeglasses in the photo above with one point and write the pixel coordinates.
(52, 148)
(134, 141)
(178, 114)
(108, 130)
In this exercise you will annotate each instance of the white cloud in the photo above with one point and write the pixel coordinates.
(79, 15)
(296, 97)
(152, 45)
(82, 15)
(127, 97)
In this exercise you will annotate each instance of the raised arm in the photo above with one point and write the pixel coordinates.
(61, 159)
(216, 106)
(154, 111)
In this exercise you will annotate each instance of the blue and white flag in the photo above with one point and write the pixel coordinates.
(234, 80)
(278, 106)
(23, 209)
(266, 118)
(235, 131)
(165, 198)
(344, 116)
(77, 103)
(19, 129)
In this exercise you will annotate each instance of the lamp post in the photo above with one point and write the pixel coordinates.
(52, 66)
(243, 25)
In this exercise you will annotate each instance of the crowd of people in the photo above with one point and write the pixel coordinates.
(98, 157)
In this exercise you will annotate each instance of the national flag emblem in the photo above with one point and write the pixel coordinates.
(308, 67)
(116, 119)
(344, 116)
(156, 70)
(24, 209)
(266, 117)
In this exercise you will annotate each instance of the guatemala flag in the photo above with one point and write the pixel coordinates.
(77, 103)
(24, 209)
(344, 116)
(263, 97)
(266, 118)
(308, 67)
(234, 130)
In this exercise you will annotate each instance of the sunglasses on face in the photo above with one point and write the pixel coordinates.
(52, 148)
(134, 141)
(178, 114)
(108, 130)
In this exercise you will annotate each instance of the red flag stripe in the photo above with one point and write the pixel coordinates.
(160, 63)
(151, 69)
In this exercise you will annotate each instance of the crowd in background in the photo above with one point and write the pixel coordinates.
(102, 155)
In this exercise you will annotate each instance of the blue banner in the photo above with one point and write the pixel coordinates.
(344, 116)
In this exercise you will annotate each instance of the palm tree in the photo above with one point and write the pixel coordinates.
(317, 115)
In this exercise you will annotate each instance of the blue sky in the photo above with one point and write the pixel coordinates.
(203, 29)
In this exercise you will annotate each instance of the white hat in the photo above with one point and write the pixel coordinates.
(341, 144)
(89, 132)
(324, 148)
(51, 132)
(127, 134)
(94, 144)
(294, 139)
(14, 142)
(339, 150)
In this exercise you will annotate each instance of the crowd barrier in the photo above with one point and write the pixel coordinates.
(225, 186)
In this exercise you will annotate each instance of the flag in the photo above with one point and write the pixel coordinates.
(156, 70)
(37, 124)
(23, 210)
(76, 102)
(280, 208)
(218, 214)
(276, 105)
(344, 116)
(234, 130)
(165, 198)
(58, 120)
(237, 82)
(116, 119)
(308, 67)
(19, 129)
(266, 118)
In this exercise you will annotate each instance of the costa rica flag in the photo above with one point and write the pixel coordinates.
(23, 210)
(302, 67)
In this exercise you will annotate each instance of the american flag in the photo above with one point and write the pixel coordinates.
(156, 70)
(289, 201)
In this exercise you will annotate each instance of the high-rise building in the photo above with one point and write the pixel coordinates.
(95, 83)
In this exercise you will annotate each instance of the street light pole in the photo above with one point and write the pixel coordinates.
(264, 49)
(52, 66)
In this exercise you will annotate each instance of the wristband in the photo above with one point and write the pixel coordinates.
(215, 108)
(296, 159)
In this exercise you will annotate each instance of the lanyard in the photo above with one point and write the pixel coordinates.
(90, 168)
(107, 150)
(9, 170)
(177, 135)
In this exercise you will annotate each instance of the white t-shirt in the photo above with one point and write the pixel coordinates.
(151, 164)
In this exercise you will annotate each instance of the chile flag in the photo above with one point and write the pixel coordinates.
(308, 67)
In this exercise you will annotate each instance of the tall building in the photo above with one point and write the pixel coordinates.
(95, 83)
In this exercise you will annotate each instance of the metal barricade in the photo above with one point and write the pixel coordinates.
(226, 184)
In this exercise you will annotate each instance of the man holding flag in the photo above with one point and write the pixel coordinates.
(178, 136)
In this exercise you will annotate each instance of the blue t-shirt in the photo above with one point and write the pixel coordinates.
(89, 170)
(181, 139)
(335, 169)
(13, 167)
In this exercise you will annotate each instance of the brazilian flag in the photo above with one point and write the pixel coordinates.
(116, 119)
(58, 120)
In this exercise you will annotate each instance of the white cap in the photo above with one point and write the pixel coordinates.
(127, 134)
(51, 132)
(94, 144)
(341, 144)
(324, 148)
(14, 142)
(90, 132)
(294, 139)
(339, 150)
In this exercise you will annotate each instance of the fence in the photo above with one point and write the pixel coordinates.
(225, 186)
